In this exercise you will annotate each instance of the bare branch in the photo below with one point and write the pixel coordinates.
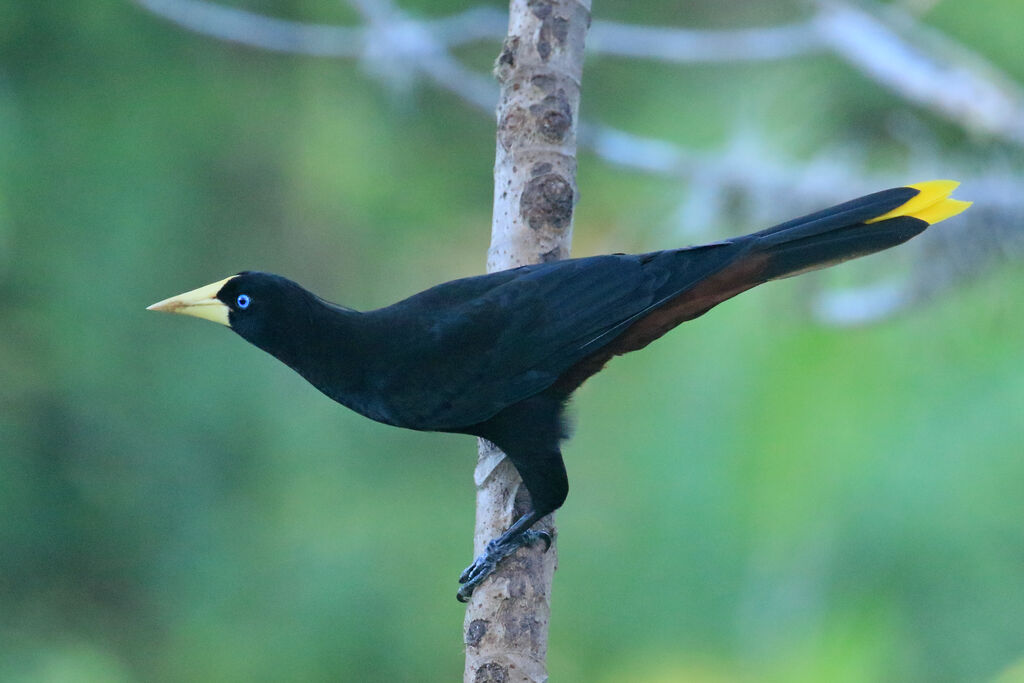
(249, 28)
(888, 45)
(849, 307)
(925, 67)
(703, 45)
(539, 69)
(320, 40)
(475, 24)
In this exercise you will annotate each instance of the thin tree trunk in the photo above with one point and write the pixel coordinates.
(539, 69)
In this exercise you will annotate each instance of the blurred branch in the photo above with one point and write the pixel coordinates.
(886, 43)
(703, 45)
(922, 65)
(257, 30)
(321, 40)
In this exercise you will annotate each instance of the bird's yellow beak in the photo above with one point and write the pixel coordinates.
(201, 303)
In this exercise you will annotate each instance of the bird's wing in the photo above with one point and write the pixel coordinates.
(469, 348)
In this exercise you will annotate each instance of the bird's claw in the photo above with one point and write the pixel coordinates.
(496, 551)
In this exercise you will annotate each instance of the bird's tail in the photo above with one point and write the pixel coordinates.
(852, 229)
(716, 272)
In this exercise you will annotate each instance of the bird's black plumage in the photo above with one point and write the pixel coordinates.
(498, 355)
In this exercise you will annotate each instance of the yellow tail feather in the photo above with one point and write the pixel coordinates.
(931, 204)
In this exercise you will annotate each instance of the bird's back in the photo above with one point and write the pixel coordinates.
(458, 353)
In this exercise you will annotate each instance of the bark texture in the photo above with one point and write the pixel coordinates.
(539, 69)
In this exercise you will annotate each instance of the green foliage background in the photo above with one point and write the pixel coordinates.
(754, 498)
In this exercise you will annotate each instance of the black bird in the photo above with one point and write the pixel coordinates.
(497, 356)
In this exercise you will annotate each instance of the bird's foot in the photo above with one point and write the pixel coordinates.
(496, 551)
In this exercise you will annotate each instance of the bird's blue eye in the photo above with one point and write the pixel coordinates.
(242, 301)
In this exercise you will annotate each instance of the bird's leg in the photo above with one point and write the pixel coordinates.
(518, 535)
(528, 433)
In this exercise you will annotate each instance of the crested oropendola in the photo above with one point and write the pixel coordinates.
(497, 356)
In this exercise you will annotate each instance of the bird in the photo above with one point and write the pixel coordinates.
(497, 356)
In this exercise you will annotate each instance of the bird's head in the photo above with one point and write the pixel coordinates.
(263, 308)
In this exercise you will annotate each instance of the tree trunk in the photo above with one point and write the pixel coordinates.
(539, 69)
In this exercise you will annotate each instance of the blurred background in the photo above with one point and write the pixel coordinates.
(818, 481)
